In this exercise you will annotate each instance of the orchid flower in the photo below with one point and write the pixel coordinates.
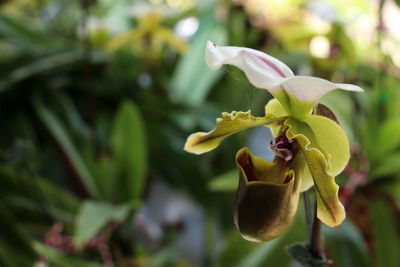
(310, 147)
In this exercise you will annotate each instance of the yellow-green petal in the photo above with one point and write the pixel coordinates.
(295, 107)
(307, 181)
(229, 124)
(329, 209)
(275, 108)
(326, 136)
(332, 139)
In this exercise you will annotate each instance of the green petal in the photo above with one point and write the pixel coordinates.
(296, 108)
(229, 124)
(326, 136)
(275, 108)
(267, 196)
(307, 181)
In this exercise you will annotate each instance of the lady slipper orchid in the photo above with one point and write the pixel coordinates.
(310, 147)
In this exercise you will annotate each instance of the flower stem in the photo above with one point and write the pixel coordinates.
(307, 211)
(316, 236)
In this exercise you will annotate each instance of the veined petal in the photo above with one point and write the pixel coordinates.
(267, 196)
(329, 209)
(261, 69)
(229, 124)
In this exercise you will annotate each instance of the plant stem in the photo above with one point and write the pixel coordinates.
(307, 211)
(316, 236)
(310, 254)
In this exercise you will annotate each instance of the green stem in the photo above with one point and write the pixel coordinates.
(307, 211)
(316, 236)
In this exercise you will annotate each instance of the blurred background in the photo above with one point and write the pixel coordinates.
(97, 98)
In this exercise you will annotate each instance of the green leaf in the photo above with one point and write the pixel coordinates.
(106, 172)
(63, 205)
(386, 166)
(388, 138)
(192, 79)
(72, 114)
(385, 234)
(230, 123)
(128, 142)
(59, 133)
(346, 246)
(39, 65)
(59, 202)
(18, 33)
(236, 249)
(15, 239)
(226, 182)
(60, 259)
(93, 216)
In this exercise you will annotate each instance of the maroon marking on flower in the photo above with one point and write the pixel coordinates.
(282, 147)
(248, 168)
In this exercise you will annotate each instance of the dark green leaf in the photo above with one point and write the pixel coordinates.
(226, 182)
(60, 259)
(388, 138)
(15, 240)
(128, 142)
(346, 246)
(38, 65)
(59, 133)
(93, 216)
(385, 234)
(386, 166)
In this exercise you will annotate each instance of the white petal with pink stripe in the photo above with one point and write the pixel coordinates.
(267, 72)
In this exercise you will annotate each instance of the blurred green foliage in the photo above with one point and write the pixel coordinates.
(92, 116)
